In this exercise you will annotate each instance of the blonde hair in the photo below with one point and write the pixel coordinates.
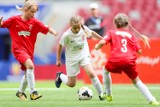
(121, 20)
(76, 19)
(27, 4)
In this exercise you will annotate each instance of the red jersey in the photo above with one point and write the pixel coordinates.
(124, 45)
(24, 33)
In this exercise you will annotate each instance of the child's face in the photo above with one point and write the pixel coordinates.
(29, 13)
(75, 28)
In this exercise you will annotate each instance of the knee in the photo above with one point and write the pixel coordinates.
(135, 80)
(92, 75)
(71, 84)
(30, 66)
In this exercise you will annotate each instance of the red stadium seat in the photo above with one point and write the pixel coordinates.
(148, 10)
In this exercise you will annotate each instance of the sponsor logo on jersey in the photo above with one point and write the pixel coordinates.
(24, 33)
(78, 47)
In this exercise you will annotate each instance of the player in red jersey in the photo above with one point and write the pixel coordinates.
(124, 47)
(23, 30)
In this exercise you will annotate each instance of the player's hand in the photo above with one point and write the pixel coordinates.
(58, 63)
(56, 33)
(100, 44)
(1, 20)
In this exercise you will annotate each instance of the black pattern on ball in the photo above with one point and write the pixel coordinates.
(86, 93)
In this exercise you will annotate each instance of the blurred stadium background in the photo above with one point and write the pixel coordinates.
(144, 15)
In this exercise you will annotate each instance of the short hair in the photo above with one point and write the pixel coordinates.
(121, 20)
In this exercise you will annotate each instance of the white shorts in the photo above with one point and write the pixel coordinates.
(73, 68)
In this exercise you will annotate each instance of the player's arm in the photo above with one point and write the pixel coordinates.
(96, 35)
(137, 45)
(100, 44)
(59, 52)
(52, 31)
(1, 21)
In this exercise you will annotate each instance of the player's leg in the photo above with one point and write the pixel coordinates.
(21, 58)
(23, 85)
(145, 91)
(69, 79)
(131, 72)
(95, 81)
(31, 79)
(61, 77)
(107, 80)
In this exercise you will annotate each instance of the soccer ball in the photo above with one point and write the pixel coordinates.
(84, 93)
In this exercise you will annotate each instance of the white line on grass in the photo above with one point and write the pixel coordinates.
(134, 88)
(46, 89)
(57, 89)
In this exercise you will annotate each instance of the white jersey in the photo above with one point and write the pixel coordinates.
(76, 44)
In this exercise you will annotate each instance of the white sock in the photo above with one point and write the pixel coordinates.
(96, 83)
(23, 84)
(64, 78)
(144, 90)
(30, 79)
(107, 82)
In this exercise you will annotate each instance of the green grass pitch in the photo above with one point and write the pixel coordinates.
(123, 96)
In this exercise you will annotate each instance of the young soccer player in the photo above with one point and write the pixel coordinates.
(124, 47)
(23, 30)
(77, 54)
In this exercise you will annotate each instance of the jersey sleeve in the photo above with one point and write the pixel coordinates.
(89, 32)
(7, 23)
(107, 37)
(41, 27)
(63, 40)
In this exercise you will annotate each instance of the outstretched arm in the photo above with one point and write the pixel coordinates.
(1, 21)
(52, 31)
(96, 35)
(100, 44)
(59, 52)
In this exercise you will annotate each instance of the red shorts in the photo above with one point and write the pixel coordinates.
(21, 56)
(128, 67)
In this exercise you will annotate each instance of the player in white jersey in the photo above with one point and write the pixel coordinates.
(77, 54)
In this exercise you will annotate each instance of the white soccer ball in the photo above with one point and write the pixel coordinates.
(85, 93)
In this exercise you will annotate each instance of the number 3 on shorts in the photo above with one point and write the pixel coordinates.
(124, 45)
